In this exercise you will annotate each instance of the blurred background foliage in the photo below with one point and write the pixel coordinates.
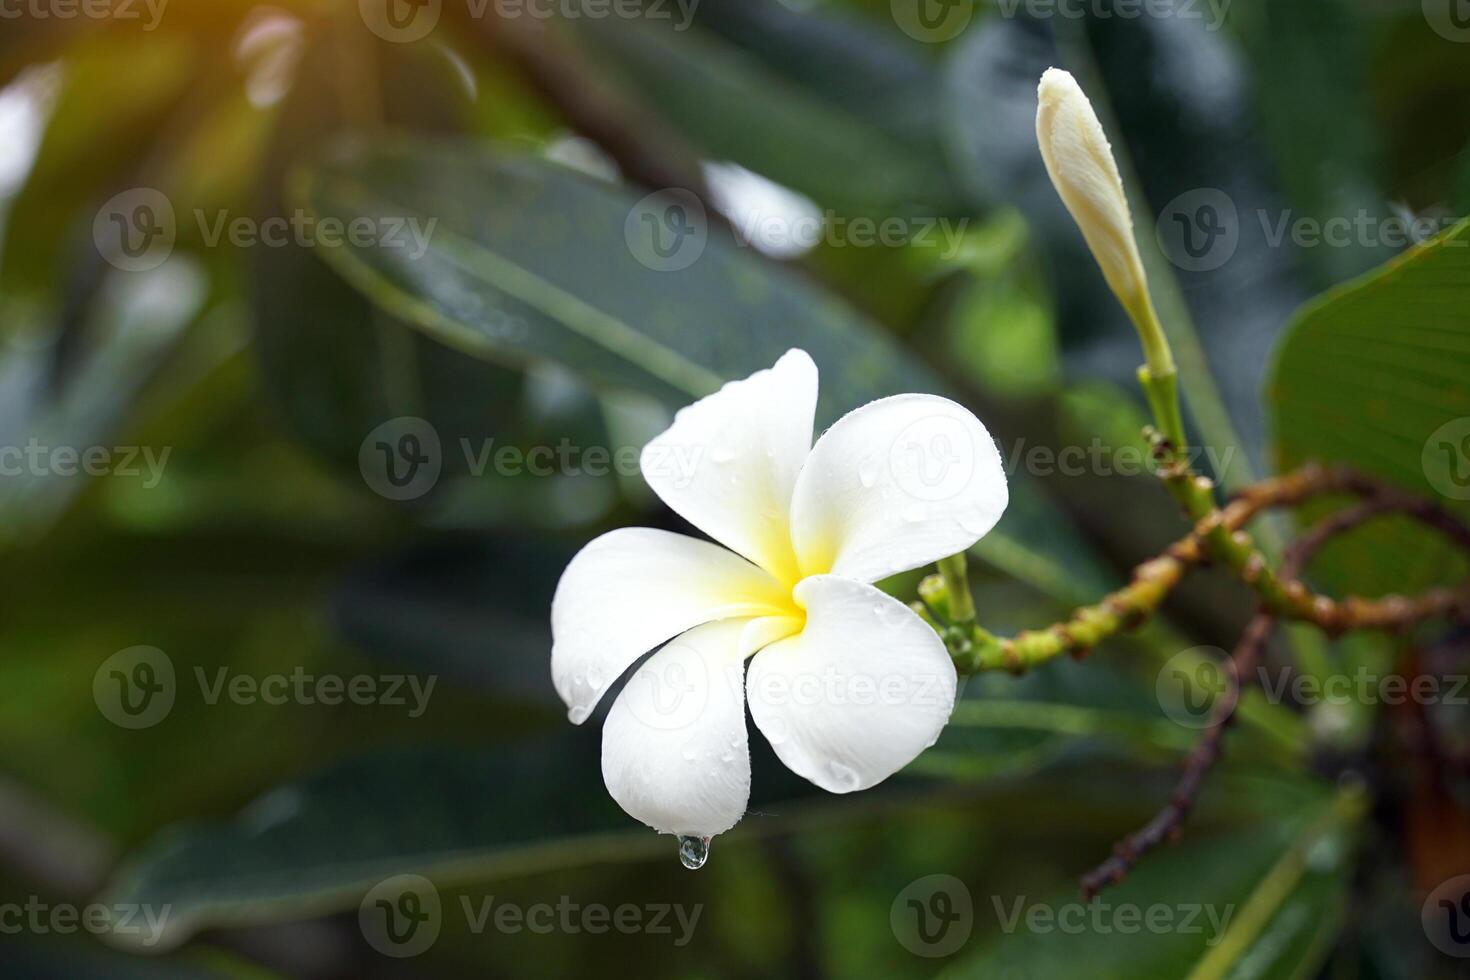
(531, 321)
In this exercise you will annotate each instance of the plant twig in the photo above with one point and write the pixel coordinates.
(1220, 536)
(1168, 823)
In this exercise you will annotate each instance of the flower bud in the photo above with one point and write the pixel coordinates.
(1080, 162)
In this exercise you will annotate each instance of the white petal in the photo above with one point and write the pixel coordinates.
(729, 462)
(896, 484)
(675, 753)
(632, 589)
(859, 693)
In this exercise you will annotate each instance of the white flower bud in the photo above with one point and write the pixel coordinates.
(1081, 165)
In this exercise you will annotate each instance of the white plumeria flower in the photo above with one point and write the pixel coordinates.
(847, 683)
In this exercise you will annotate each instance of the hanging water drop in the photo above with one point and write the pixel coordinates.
(693, 852)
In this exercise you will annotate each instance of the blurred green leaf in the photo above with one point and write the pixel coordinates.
(338, 366)
(817, 101)
(528, 261)
(318, 846)
(1373, 374)
(1281, 886)
(472, 609)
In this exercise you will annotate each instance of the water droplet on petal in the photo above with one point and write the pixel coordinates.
(578, 714)
(845, 777)
(722, 454)
(976, 522)
(688, 752)
(913, 513)
(693, 852)
(868, 473)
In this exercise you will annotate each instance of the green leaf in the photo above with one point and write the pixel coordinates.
(528, 262)
(817, 101)
(318, 846)
(1281, 887)
(1373, 374)
(337, 366)
(472, 609)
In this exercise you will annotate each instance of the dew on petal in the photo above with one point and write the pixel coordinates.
(578, 714)
(868, 473)
(845, 777)
(976, 522)
(689, 752)
(913, 513)
(693, 852)
(722, 454)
